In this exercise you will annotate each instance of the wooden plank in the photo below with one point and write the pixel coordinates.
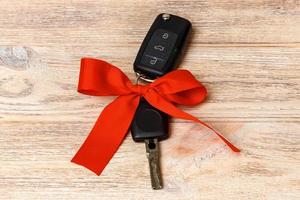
(115, 23)
(244, 84)
(34, 160)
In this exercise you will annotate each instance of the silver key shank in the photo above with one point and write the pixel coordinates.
(152, 150)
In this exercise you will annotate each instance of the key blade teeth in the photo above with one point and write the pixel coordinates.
(152, 150)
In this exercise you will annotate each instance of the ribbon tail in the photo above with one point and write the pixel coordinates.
(107, 134)
(167, 107)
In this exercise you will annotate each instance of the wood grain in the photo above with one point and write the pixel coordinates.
(246, 53)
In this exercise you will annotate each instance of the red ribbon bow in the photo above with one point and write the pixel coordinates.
(99, 78)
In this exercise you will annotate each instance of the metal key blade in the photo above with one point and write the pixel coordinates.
(152, 150)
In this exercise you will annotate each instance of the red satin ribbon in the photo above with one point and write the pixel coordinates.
(99, 78)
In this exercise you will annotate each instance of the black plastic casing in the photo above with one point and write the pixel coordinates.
(178, 30)
(149, 123)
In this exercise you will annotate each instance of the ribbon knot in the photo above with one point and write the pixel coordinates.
(99, 78)
(141, 89)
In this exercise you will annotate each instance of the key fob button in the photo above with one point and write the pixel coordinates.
(164, 36)
(145, 118)
(153, 61)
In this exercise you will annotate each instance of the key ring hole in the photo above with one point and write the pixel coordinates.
(152, 145)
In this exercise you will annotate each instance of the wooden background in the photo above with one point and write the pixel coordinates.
(246, 52)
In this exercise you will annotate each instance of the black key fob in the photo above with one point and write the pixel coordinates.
(158, 55)
(162, 46)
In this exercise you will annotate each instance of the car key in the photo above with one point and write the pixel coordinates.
(158, 55)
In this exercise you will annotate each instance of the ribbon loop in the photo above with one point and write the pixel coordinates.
(99, 78)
